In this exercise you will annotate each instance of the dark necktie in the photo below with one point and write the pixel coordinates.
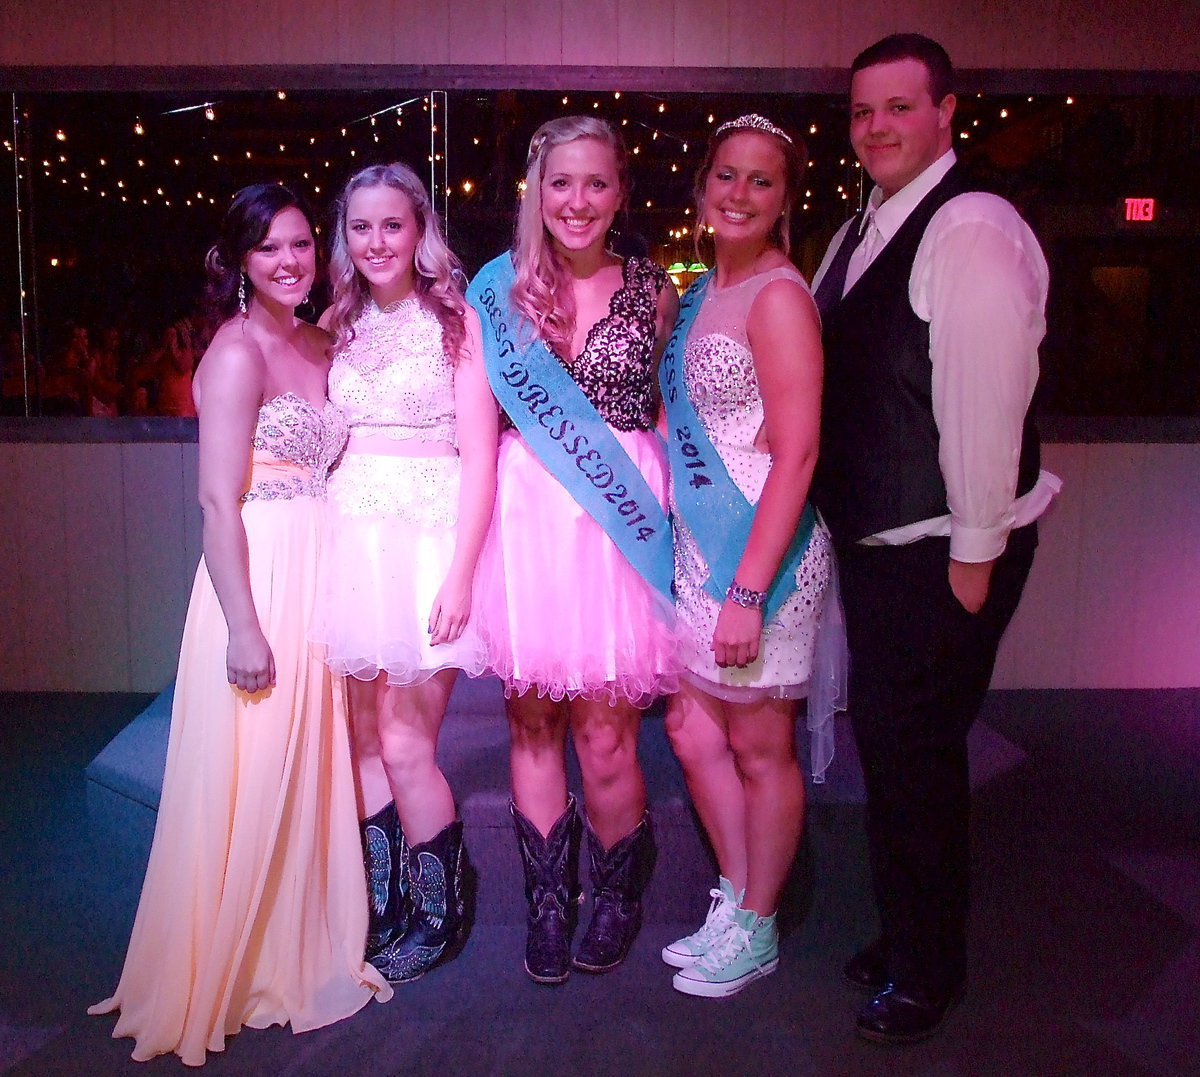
(834, 281)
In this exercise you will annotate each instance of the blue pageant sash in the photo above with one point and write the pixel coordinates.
(566, 432)
(716, 511)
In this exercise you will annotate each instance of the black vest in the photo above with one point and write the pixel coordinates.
(878, 463)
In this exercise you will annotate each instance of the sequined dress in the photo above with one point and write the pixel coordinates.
(563, 612)
(718, 371)
(393, 519)
(254, 907)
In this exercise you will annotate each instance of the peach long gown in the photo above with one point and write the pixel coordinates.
(254, 907)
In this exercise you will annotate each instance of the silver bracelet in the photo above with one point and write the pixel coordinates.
(743, 596)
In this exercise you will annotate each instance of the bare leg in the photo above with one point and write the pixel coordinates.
(373, 790)
(699, 734)
(614, 793)
(409, 720)
(762, 736)
(537, 743)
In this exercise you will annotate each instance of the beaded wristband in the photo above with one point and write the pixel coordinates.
(743, 596)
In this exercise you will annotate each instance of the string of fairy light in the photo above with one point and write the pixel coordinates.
(96, 175)
(136, 174)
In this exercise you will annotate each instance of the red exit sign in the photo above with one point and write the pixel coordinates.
(1139, 209)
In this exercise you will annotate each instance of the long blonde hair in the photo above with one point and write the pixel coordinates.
(437, 275)
(541, 291)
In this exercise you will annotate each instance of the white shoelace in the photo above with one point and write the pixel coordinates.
(720, 912)
(725, 949)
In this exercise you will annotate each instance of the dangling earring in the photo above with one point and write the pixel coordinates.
(242, 292)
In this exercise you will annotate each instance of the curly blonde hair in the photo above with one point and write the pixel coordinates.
(438, 274)
(541, 291)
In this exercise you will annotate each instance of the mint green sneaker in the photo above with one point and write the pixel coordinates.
(747, 951)
(687, 951)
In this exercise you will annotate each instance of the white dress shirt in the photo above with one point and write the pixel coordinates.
(979, 280)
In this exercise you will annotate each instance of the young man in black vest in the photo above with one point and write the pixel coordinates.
(933, 302)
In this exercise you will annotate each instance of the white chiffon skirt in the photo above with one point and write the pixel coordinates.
(392, 529)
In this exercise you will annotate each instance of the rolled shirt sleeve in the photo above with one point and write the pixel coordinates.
(980, 281)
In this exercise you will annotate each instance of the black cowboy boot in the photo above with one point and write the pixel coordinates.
(619, 877)
(435, 902)
(384, 851)
(551, 865)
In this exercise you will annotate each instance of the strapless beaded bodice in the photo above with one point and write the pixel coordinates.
(295, 445)
(393, 378)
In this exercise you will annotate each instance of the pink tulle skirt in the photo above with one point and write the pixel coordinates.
(561, 610)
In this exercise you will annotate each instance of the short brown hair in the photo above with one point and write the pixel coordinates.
(924, 50)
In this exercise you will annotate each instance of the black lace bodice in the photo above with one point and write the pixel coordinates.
(616, 368)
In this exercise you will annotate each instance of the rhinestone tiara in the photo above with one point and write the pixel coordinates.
(752, 121)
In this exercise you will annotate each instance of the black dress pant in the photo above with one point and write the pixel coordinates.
(920, 665)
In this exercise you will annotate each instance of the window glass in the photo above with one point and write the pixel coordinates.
(108, 202)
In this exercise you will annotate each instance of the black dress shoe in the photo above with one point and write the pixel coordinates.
(899, 1016)
(867, 970)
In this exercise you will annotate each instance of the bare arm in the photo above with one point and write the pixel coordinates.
(785, 340)
(668, 311)
(478, 435)
(228, 391)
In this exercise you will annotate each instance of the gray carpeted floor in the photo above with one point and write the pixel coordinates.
(1085, 959)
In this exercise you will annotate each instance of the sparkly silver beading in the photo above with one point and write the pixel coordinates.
(415, 489)
(294, 444)
(752, 121)
(393, 379)
(719, 375)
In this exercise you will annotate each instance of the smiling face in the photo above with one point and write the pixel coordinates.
(895, 127)
(580, 194)
(281, 268)
(745, 191)
(382, 233)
